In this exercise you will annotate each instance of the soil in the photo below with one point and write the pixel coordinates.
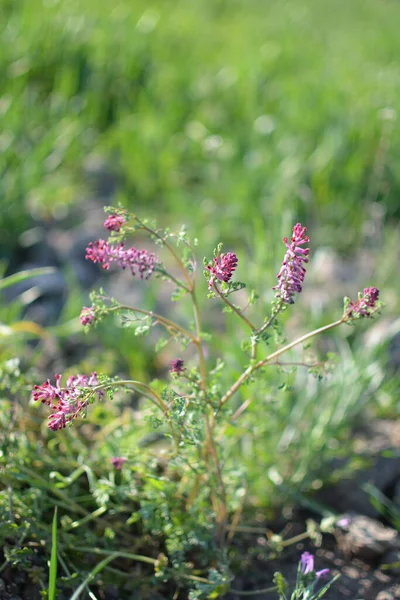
(358, 579)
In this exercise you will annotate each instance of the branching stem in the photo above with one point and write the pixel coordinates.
(167, 323)
(254, 367)
(233, 307)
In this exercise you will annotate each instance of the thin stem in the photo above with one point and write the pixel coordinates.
(138, 557)
(241, 409)
(296, 364)
(170, 276)
(171, 251)
(197, 341)
(239, 382)
(168, 324)
(233, 307)
(246, 529)
(254, 592)
(247, 402)
(153, 396)
(210, 447)
(295, 539)
(271, 318)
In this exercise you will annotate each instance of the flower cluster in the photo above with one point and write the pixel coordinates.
(366, 304)
(222, 268)
(118, 462)
(87, 316)
(114, 222)
(67, 402)
(139, 261)
(307, 566)
(177, 366)
(291, 274)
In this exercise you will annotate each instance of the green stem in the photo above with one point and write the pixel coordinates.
(166, 273)
(168, 324)
(152, 395)
(254, 592)
(138, 557)
(210, 448)
(172, 252)
(239, 382)
(197, 341)
(271, 318)
(233, 307)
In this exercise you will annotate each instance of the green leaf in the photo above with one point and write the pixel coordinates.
(24, 275)
(92, 574)
(53, 559)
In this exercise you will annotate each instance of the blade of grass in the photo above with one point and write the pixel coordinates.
(53, 559)
(99, 567)
(23, 275)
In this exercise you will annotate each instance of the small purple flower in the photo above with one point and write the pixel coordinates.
(46, 392)
(118, 462)
(292, 272)
(223, 268)
(139, 261)
(114, 222)
(307, 563)
(307, 566)
(67, 402)
(366, 303)
(87, 316)
(177, 366)
(322, 573)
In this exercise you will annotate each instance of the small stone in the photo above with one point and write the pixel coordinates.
(385, 596)
(368, 539)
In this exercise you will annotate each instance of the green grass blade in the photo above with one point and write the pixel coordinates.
(53, 559)
(23, 275)
(326, 588)
(92, 574)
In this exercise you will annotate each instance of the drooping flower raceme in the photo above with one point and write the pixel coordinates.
(87, 316)
(177, 366)
(366, 304)
(222, 268)
(67, 402)
(114, 222)
(138, 261)
(292, 272)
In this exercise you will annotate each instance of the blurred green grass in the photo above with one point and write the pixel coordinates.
(228, 115)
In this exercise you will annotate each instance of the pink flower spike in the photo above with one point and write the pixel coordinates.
(223, 268)
(292, 272)
(87, 316)
(69, 402)
(118, 462)
(114, 222)
(138, 261)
